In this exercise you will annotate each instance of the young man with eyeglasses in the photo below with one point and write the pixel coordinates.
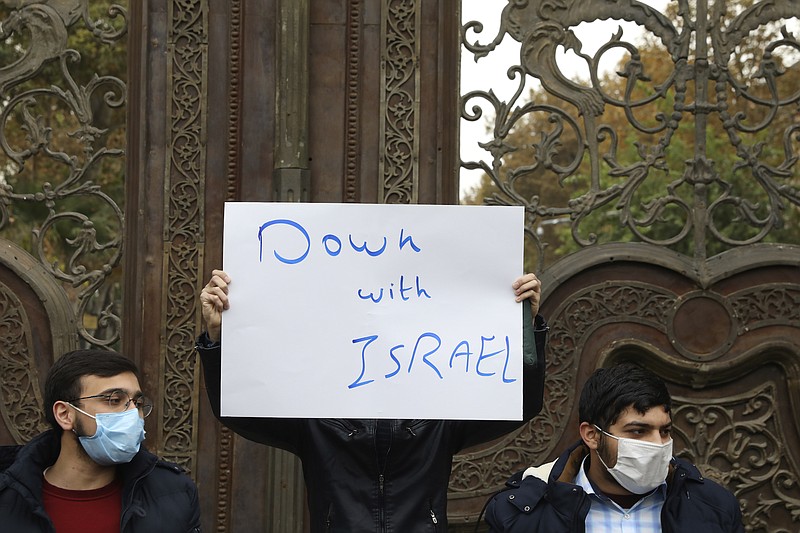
(89, 473)
(621, 475)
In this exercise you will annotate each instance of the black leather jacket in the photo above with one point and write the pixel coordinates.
(157, 496)
(379, 476)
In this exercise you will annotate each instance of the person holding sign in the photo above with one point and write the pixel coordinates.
(375, 475)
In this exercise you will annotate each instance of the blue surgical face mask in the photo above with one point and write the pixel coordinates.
(117, 438)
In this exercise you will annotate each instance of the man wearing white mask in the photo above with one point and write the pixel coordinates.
(621, 475)
(89, 473)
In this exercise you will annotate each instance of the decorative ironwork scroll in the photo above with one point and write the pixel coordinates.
(399, 147)
(27, 290)
(19, 388)
(62, 139)
(690, 142)
(187, 53)
(739, 442)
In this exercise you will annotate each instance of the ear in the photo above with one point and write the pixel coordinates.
(64, 415)
(590, 435)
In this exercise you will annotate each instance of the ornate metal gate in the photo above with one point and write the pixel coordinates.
(662, 201)
(668, 238)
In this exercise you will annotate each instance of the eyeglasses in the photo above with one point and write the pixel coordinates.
(119, 401)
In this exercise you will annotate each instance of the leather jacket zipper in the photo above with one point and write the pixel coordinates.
(346, 426)
(414, 424)
(383, 444)
(381, 502)
(434, 520)
(328, 518)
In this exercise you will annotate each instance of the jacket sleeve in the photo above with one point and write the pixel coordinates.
(194, 520)
(493, 517)
(738, 525)
(282, 433)
(534, 341)
(7, 455)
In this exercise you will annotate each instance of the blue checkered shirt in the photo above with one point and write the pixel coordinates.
(605, 516)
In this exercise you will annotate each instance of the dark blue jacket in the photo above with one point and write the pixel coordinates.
(157, 496)
(693, 503)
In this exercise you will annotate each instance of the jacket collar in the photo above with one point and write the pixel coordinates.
(42, 451)
(31, 460)
(567, 466)
(681, 469)
(559, 483)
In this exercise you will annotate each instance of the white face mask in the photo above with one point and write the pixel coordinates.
(641, 466)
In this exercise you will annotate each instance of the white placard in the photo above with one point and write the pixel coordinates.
(372, 311)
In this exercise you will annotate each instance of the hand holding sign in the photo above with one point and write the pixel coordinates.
(214, 300)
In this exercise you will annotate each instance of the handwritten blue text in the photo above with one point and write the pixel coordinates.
(430, 354)
(331, 244)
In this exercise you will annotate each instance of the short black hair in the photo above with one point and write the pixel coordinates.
(63, 381)
(609, 391)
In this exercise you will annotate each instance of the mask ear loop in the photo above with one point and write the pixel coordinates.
(603, 433)
(80, 411)
(600, 455)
